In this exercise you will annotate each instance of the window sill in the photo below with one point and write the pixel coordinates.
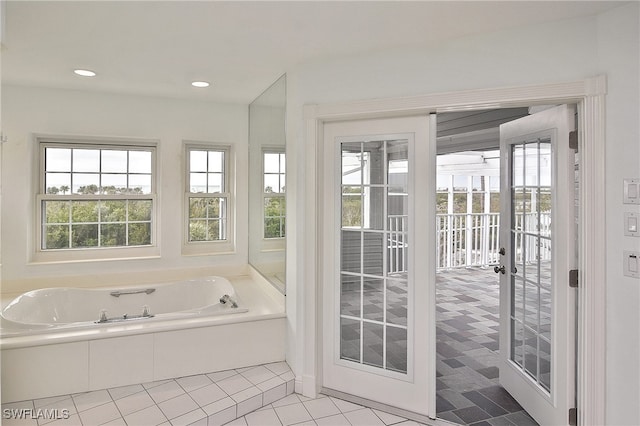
(272, 244)
(216, 248)
(94, 255)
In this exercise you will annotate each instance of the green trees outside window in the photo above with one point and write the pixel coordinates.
(207, 196)
(274, 186)
(105, 223)
(96, 196)
(207, 219)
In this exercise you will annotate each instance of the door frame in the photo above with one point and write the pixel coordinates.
(589, 95)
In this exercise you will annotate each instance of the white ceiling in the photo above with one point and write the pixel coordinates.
(158, 47)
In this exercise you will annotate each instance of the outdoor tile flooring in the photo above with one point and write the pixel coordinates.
(467, 320)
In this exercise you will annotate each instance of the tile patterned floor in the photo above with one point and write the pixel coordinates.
(205, 399)
(467, 319)
(323, 411)
(254, 396)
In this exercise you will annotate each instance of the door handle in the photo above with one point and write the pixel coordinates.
(501, 269)
(502, 251)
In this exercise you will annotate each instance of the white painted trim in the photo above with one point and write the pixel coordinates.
(310, 319)
(228, 245)
(589, 94)
(416, 417)
(460, 101)
(431, 260)
(591, 264)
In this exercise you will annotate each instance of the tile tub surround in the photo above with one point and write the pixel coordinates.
(261, 396)
(38, 366)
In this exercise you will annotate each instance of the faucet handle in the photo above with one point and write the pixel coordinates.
(145, 311)
(103, 315)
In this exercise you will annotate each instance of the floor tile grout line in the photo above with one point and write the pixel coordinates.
(154, 404)
(146, 390)
(498, 404)
(118, 408)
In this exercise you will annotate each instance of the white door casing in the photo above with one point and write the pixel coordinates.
(537, 306)
(589, 94)
(354, 371)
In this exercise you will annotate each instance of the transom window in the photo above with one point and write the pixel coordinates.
(274, 178)
(208, 199)
(96, 195)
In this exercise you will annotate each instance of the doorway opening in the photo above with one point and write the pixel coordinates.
(468, 257)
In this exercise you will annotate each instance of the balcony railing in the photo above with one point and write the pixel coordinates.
(397, 245)
(465, 240)
(473, 239)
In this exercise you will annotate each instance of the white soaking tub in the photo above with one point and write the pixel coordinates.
(53, 341)
(65, 308)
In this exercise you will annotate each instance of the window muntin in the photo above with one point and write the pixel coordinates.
(374, 254)
(274, 185)
(274, 172)
(208, 199)
(96, 196)
(97, 170)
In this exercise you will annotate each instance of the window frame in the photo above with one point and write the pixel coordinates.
(226, 246)
(80, 254)
(282, 195)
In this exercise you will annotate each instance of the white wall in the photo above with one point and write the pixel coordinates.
(619, 58)
(549, 53)
(48, 111)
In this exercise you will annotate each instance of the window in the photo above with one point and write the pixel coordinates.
(208, 200)
(94, 195)
(274, 167)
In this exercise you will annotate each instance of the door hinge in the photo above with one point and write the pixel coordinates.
(573, 140)
(573, 278)
(573, 416)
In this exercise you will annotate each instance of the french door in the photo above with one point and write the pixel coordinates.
(378, 305)
(537, 234)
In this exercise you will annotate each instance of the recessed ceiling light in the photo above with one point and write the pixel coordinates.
(200, 84)
(85, 73)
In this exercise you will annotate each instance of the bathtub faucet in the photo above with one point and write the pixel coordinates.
(145, 311)
(227, 299)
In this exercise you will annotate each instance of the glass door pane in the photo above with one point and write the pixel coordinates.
(374, 247)
(530, 317)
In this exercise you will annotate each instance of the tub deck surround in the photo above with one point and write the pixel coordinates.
(109, 355)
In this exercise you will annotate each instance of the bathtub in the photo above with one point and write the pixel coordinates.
(53, 341)
(65, 308)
